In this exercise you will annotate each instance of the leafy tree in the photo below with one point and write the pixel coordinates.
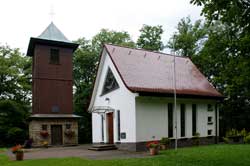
(189, 38)
(234, 14)
(213, 57)
(106, 36)
(150, 38)
(85, 68)
(231, 64)
(15, 75)
(15, 90)
(13, 122)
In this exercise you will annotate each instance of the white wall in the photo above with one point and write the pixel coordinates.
(150, 120)
(152, 117)
(96, 128)
(218, 121)
(121, 99)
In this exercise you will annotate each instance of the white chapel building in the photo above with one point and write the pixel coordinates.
(132, 101)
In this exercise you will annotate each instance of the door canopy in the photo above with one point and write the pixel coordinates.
(102, 109)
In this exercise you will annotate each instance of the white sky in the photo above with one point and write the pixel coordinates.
(22, 19)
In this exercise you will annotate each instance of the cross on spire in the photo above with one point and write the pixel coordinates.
(52, 13)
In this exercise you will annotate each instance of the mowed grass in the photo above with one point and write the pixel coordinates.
(2, 150)
(214, 155)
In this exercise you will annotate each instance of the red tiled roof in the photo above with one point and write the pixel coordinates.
(147, 71)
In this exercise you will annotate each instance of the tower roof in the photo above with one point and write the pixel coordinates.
(53, 33)
(50, 36)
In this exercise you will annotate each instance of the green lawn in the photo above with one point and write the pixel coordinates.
(2, 150)
(219, 155)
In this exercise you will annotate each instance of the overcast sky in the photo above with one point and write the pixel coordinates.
(22, 19)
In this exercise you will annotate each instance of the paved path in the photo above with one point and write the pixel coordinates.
(78, 151)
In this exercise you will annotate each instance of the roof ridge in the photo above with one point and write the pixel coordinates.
(141, 49)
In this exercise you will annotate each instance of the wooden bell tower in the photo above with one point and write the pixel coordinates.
(52, 94)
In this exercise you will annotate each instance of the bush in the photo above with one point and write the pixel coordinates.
(236, 133)
(226, 140)
(13, 124)
(164, 141)
(196, 139)
(243, 132)
(233, 133)
(247, 139)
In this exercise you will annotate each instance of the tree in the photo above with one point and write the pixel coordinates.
(150, 38)
(85, 68)
(231, 64)
(15, 75)
(233, 13)
(106, 36)
(189, 38)
(15, 90)
(13, 122)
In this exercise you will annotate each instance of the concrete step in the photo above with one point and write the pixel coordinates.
(103, 147)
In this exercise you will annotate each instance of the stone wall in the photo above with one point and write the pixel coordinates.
(35, 127)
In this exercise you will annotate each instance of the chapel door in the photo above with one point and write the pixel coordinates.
(110, 128)
(56, 134)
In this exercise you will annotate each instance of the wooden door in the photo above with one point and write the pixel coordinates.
(56, 134)
(110, 128)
